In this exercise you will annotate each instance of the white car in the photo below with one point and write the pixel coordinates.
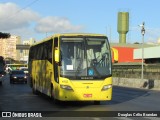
(25, 69)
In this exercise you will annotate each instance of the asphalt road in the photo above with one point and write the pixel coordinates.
(19, 98)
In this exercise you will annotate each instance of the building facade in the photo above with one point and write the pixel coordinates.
(8, 47)
(24, 53)
(150, 54)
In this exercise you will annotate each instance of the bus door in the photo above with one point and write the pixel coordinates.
(48, 69)
(55, 82)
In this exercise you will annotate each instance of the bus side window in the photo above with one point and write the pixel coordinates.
(49, 51)
(55, 42)
(55, 64)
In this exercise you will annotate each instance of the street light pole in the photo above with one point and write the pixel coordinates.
(142, 32)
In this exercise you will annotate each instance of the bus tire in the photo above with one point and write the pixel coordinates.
(97, 102)
(52, 93)
(34, 91)
(56, 101)
(52, 96)
(0, 82)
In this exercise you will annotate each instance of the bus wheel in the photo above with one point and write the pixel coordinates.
(97, 102)
(34, 91)
(53, 98)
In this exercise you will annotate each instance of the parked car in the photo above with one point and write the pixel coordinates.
(18, 76)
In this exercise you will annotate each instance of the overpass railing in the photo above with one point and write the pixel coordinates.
(133, 70)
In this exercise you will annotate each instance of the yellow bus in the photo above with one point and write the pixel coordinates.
(72, 67)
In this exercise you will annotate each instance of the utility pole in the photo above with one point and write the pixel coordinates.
(142, 32)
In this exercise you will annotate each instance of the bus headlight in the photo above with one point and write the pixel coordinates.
(67, 87)
(15, 77)
(106, 87)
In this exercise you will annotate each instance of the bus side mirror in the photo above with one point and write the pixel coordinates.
(56, 55)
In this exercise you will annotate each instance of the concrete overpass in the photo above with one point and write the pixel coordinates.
(22, 47)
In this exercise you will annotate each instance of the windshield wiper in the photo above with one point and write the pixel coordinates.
(102, 59)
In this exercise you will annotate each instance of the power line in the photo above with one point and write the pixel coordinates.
(30, 4)
(26, 6)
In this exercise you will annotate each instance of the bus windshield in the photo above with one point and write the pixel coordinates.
(85, 58)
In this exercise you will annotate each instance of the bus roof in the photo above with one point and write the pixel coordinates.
(67, 34)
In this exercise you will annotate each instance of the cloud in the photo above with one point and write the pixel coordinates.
(13, 17)
(27, 23)
(151, 34)
(56, 24)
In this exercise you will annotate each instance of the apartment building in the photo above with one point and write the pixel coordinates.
(8, 47)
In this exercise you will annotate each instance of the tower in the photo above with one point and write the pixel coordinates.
(123, 26)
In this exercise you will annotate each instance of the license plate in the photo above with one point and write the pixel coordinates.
(87, 95)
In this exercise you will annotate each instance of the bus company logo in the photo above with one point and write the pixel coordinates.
(87, 87)
(6, 114)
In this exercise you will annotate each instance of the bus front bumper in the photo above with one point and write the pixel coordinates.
(79, 94)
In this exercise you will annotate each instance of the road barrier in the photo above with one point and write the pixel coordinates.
(129, 75)
(137, 83)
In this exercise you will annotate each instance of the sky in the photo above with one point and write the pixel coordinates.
(41, 18)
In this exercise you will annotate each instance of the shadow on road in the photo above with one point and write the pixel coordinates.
(20, 97)
(124, 94)
(120, 95)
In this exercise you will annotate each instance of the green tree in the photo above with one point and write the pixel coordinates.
(4, 35)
